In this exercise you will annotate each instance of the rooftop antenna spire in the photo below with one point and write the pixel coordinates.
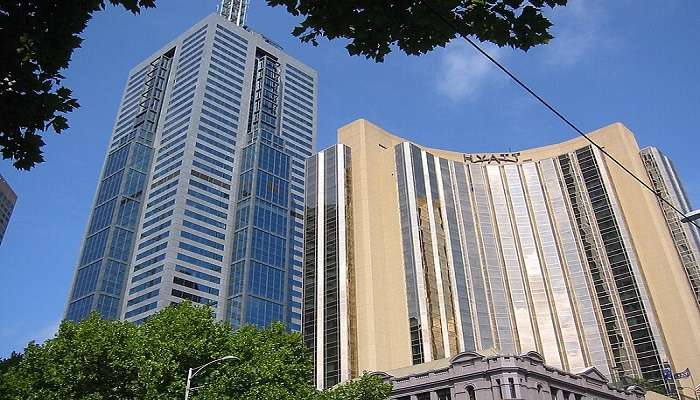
(234, 10)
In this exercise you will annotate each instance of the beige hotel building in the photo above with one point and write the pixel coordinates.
(415, 254)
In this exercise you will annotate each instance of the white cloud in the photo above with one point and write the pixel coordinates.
(463, 70)
(578, 29)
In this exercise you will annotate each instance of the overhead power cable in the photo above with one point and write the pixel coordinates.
(557, 113)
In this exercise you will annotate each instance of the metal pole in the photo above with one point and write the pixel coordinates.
(194, 371)
(691, 216)
(187, 388)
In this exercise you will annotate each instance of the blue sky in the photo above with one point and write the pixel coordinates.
(611, 61)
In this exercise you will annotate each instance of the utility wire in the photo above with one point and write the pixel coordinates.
(557, 113)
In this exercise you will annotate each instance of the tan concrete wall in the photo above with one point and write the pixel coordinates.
(657, 396)
(668, 286)
(383, 337)
(382, 317)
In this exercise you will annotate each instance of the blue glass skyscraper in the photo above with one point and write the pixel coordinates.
(218, 124)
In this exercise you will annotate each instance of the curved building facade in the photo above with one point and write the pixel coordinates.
(553, 250)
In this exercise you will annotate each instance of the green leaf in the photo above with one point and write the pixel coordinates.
(34, 50)
(416, 27)
(98, 359)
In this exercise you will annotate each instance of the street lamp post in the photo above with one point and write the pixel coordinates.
(194, 371)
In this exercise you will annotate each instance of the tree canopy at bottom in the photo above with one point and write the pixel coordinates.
(97, 359)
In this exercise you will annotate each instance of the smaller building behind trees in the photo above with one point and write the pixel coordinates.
(472, 376)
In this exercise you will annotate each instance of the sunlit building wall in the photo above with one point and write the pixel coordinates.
(554, 250)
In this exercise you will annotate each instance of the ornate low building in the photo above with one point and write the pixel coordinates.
(472, 376)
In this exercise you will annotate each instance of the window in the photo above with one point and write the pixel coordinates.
(158, 209)
(151, 251)
(196, 286)
(120, 248)
(197, 274)
(145, 285)
(78, 310)
(141, 158)
(116, 160)
(270, 218)
(272, 189)
(201, 240)
(204, 230)
(107, 306)
(239, 244)
(209, 169)
(156, 229)
(154, 239)
(147, 263)
(135, 182)
(146, 274)
(204, 219)
(444, 394)
(141, 309)
(102, 216)
(86, 280)
(262, 312)
(235, 285)
(128, 213)
(113, 278)
(268, 249)
(94, 247)
(197, 262)
(201, 251)
(143, 297)
(266, 281)
(191, 297)
(210, 200)
(109, 187)
(471, 395)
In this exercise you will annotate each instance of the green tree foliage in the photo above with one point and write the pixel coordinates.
(418, 26)
(367, 387)
(12, 361)
(109, 360)
(37, 39)
(7, 366)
